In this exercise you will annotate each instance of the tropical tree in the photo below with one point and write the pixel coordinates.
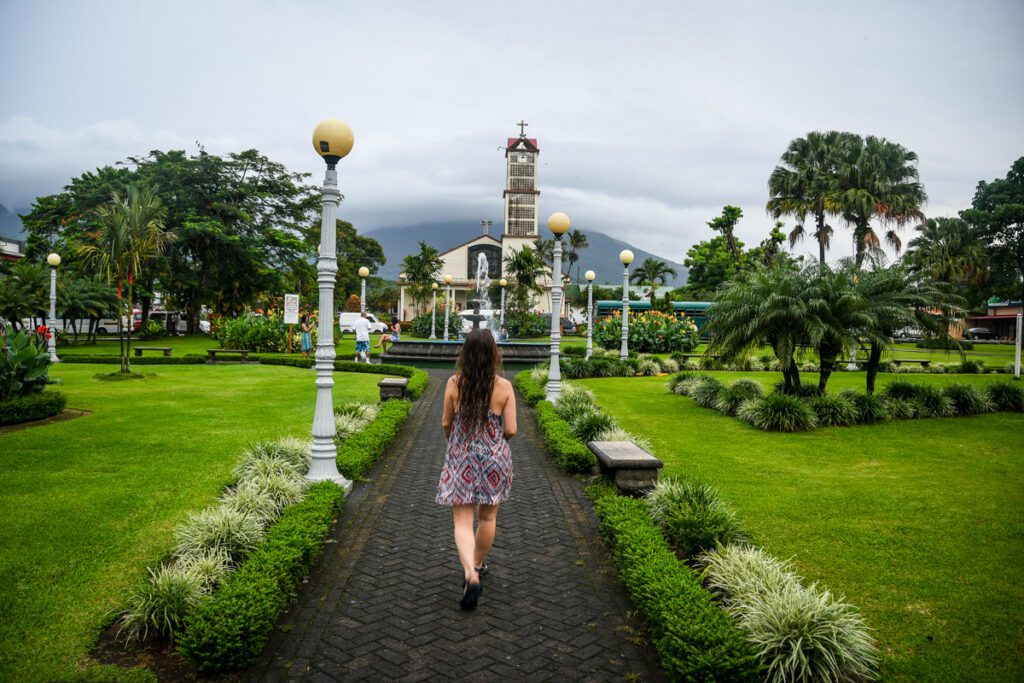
(726, 224)
(131, 233)
(421, 270)
(24, 293)
(803, 183)
(762, 306)
(877, 180)
(834, 311)
(81, 298)
(710, 265)
(577, 241)
(523, 267)
(948, 250)
(997, 212)
(652, 272)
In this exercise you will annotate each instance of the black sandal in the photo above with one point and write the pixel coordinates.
(470, 595)
(482, 570)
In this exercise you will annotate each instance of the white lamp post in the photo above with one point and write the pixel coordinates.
(626, 257)
(447, 296)
(590, 275)
(332, 140)
(1016, 352)
(54, 261)
(558, 223)
(363, 273)
(433, 310)
(504, 283)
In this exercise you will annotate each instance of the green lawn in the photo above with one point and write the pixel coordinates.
(87, 504)
(919, 523)
(197, 343)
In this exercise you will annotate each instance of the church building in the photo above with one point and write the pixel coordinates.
(520, 231)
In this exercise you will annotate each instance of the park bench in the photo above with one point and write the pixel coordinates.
(212, 353)
(900, 361)
(140, 349)
(392, 387)
(633, 469)
(688, 356)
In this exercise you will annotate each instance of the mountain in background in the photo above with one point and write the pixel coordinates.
(602, 256)
(10, 224)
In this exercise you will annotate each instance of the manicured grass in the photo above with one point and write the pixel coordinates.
(917, 522)
(198, 343)
(87, 504)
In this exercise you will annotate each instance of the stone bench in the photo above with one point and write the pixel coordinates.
(688, 356)
(633, 469)
(392, 387)
(212, 353)
(140, 349)
(900, 361)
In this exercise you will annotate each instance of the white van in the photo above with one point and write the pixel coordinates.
(347, 321)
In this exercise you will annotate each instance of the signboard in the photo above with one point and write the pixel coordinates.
(291, 309)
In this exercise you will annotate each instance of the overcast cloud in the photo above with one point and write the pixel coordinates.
(650, 115)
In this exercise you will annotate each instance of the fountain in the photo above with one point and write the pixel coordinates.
(483, 316)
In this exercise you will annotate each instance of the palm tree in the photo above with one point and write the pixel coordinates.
(25, 293)
(802, 185)
(726, 224)
(948, 250)
(522, 268)
(652, 272)
(834, 310)
(422, 270)
(877, 180)
(84, 299)
(131, 233)
(577, 241)
(762, 306)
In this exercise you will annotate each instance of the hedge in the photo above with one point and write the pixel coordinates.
(696, 640)
(571, 454)
(531, 392)
(230, 630)
(360, 450)
(32, 407)
(190, 359)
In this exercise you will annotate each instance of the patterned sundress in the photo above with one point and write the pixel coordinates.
(477, 464)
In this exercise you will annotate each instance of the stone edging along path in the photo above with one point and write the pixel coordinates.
(381, 601)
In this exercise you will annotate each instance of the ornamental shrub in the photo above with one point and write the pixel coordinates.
(588, 425)
(162, 603)
(531, 391)
(834, 410)
(150, 331)
(972, 367)
(420, 326)
(705, 391)
(870, 408)
(24, 363)
(693, 516)
(1006, 395)
(675, 380)
(947, 343)
(218, 527)
(525, 325)
(32, 407)
(260, 333)
(731, 397)
(649, 332)
(901, 408)
(931, 402)
(968, 399)
(360, 450)
(778, 413)
(570, 453)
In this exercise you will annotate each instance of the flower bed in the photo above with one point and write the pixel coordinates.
(649, 332)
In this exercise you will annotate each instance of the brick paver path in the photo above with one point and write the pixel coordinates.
(382, 601)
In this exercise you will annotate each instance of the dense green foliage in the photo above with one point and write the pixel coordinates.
(31, 407)
(230, 630)
(360, 450)
(190, 359)
(693, 516)
(421, 324)
(570, 452)
(24, 363)
(695, 639)
(997, 213)
(260, 333)
(779, 413)
(649, 332)
(531, 392)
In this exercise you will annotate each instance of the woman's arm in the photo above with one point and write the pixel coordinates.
(451, 392)
(508, 413)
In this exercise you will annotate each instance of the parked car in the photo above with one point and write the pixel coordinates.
(166, 318)
(908, 333)
(347, 321)
(979, 333)
(568, 326)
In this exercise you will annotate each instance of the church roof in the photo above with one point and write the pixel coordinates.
(469, 242)
(531, 143)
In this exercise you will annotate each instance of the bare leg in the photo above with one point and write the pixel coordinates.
(465, 541)
(487, 516)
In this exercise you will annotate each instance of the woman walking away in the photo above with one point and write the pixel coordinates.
(479, 416)
(307, 344)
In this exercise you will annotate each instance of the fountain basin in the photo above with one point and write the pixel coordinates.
(423, 351)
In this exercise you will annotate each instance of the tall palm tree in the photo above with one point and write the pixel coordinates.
(25, 293)
(726, 224)
(802, 185)
(948, 250)
(834, 310)
(523, 267)
(577, 241)
(652, 272)
(131, 233)
(877, 180)
(421, 270)
(762, 306)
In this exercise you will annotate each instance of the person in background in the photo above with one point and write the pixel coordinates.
(478, 419)
(391, 336)
(362, 328)
(307, 343)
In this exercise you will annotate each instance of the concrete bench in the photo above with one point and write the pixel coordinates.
(212, 353)
(633, 469)
(140, 349)
(900, 361)
(392, 387)
(688, 356)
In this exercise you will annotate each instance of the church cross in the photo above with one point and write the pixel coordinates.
(522, 125)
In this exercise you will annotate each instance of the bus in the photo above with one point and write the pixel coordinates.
(694, 310)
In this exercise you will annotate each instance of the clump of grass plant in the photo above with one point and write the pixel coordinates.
(902, 389)
(730, 398)
(967, 399)
(931, 402)
(668, 365)
(901, 408)
(282, 489)
(219, 527)
(677, 379)
(269, 457)
(161, 604)
(250, 499)
(363, 411)
(870, 408)
(620, 434)
(778, 413)
(705, 392)
(648, 367)
(1006, 396)
(210, 566)
(972, 367)
(587, 426)
(693, 516)
(834, 410)
(802, 633)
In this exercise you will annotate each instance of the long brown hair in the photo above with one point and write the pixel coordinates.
(479, 362)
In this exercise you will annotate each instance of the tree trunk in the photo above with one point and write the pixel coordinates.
(827, 355)
(126, 362)
(820, 217)
(120, 324)
(872, 367)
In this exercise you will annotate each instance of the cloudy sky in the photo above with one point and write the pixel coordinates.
(650, 115)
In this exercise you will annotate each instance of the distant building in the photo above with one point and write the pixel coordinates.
(1001, 318)
(11, 250)
(521, 199)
